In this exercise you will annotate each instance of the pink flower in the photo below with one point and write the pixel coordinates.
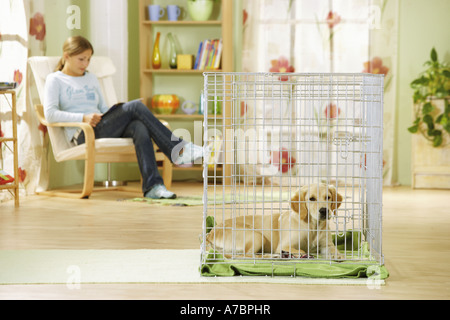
(43, 129)
(244, 108)
(375, 66)
(361, 164)
(283, 160)
(333, 19)
(37, 26)
(281, 65)
(332, 111)
(5, 178)
(22, 175)
(18, 76)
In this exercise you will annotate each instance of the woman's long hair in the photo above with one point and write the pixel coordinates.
(73, 46)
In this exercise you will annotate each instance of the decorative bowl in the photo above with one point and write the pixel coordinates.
(200, 10)
(165, 103)
(189, 107)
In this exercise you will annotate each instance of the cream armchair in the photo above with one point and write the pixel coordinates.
(94, 150)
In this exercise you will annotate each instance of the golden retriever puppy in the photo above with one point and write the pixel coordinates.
(295, 232)
(305, 227)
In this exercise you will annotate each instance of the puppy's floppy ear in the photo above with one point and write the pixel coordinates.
(298, 203)
(295, 202)
(336, 198)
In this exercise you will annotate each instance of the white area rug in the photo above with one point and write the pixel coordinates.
(74, 267)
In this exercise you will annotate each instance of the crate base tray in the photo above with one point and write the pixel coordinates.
(217, 266)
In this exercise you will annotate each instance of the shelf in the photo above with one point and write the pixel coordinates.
(184, 116)
(178, 72)
(197, 168)
(182, 23)
(185, 83)
(191, 168)
(8, 186)
(179, 116)
(14, 186)
(7, 139)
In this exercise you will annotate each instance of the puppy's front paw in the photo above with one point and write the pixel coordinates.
(334, 255)
(337, 256)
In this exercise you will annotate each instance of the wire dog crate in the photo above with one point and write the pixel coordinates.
(293, 172)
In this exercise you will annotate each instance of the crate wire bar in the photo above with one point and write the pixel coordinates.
(270, 134)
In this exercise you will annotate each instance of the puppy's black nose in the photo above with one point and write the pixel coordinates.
(323, 213)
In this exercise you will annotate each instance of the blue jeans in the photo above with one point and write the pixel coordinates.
(134, 120)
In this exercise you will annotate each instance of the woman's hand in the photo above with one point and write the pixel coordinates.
(93, 119)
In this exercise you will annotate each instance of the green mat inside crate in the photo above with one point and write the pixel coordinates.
(216, 265)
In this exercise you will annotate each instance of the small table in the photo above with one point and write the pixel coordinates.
(14, 185)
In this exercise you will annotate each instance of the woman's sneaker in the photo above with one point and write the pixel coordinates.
(191, 153)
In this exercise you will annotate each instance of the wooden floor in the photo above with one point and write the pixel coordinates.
(416, 239)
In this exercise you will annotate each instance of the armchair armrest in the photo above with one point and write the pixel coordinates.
(87, 128)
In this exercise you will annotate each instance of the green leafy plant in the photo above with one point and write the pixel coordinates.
(432, 84)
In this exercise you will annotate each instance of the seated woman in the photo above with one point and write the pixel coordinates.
(72, 94)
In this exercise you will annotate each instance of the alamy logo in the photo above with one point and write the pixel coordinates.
(74, 19)
(74, 280)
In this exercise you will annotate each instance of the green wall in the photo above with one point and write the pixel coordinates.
(68, 172)
(423, 24)
(72, 172)
(55, 19)
(133, 50)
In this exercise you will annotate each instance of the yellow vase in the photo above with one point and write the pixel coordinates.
(156, 57)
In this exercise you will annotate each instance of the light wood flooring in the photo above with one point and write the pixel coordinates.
(416, 245)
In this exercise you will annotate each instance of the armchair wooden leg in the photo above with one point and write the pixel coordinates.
(167, 172)
(88, 185)
(70, 194)
(89, 172)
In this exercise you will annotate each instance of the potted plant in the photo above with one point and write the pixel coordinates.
(200, 10)
(431, 86)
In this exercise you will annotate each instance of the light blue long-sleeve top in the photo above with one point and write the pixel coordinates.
(68, 98)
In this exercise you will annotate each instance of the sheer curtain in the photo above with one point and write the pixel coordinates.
(22, 34)
(326, 36)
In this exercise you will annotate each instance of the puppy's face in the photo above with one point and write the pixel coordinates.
(318, 201)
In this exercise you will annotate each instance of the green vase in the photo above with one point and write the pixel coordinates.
(173, 52)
